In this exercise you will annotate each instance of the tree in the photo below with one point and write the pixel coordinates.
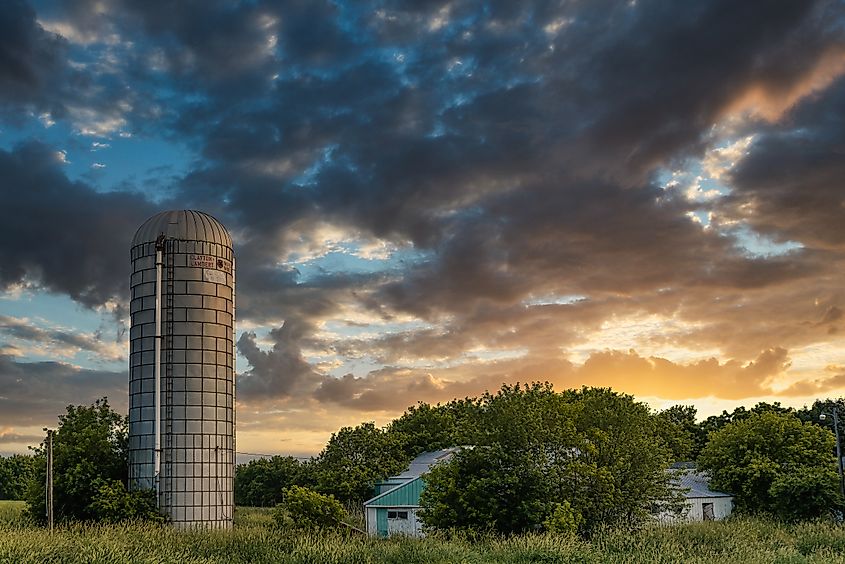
(775, 464)
(812, 414)
(355, 458)
(90, 466)
(716, 422)
(623, 459)
(303, 508)
(425, 428)
(16, 471)
(534, 449)
(259, 483)
(684, 437)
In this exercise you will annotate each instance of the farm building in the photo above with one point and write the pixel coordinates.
(703, 504)
(393, 511)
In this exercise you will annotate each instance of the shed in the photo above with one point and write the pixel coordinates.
(394, 509)
(702, 503)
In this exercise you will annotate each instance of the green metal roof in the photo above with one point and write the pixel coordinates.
(407, 494)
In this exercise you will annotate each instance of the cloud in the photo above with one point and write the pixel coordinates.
(61, 235)
(276, 373)
(60, 341)
(508, 158)
(832, 381)
(30, 58)
(35, 393)
(8, 436)
(788, 185)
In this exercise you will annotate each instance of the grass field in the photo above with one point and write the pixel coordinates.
(253, 540)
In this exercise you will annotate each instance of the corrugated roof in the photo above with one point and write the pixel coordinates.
(423, 463)
(419, 466)
(697, 483)
(188, 225)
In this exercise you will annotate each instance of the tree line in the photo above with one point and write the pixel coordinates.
(534, 459)
(572, 460)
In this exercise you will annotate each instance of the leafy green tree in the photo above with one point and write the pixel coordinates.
(619, 477)
(598, 451)
(355, 458)
(716, 422)
(259, 483)
(89, 457)
(425, 428)
(303, 508)
(682, 434)
(487, 489)
(775, 464)
(813, 413)
(16, 471)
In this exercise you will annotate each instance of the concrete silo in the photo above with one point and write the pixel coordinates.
(181, 367)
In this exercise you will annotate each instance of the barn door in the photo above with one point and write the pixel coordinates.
(399, 522)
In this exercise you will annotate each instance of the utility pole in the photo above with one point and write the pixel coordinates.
(835, 413)
(50, 479)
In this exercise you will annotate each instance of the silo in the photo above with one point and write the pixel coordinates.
(181, 367)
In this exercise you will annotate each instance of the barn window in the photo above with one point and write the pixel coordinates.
(707, 511)
(397, 514)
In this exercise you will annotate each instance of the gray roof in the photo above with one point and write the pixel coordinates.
(186, 225)
(697, 483)
(423, 463)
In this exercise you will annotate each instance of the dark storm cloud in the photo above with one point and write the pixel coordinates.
(790, 185)
(30, 58)
(527, 174)
(668, 71)
(516, 143)
(62, 235)
(35, 393)
(279, 372)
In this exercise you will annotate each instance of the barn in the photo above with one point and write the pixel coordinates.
(702, 503)
(394, 509)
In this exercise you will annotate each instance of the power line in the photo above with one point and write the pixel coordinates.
(272, 455)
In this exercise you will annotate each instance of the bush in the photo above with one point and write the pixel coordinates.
(113, 503)
(303, 508)
(563, 519)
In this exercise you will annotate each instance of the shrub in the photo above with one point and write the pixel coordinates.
(303, 508)
(113, 503)
(563, 519)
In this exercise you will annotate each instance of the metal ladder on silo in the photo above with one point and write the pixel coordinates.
(169, 249)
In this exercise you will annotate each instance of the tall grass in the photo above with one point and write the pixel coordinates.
(254, 541)
(11, 513)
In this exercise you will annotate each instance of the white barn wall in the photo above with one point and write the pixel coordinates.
(722, 508)
(372, 527)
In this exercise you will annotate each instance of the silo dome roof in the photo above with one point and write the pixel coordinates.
(186, 225)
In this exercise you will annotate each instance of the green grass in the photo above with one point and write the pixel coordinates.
(254, 540)
(11, 512)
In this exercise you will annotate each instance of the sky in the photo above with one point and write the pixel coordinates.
(429, 199)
